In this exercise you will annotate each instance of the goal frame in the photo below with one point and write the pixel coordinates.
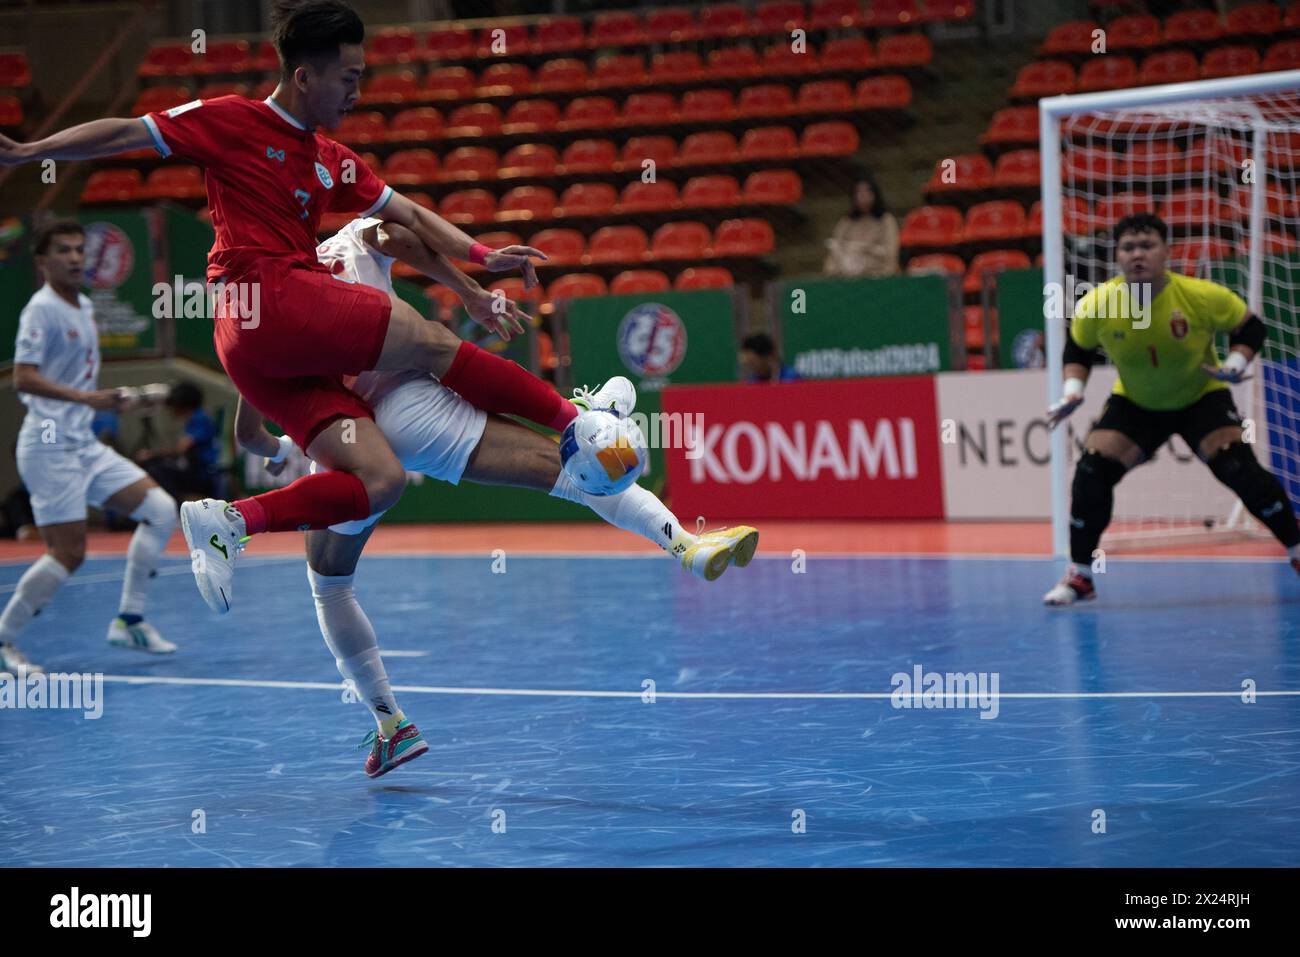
(1051, 111)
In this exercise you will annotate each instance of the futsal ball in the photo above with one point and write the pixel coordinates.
(602, 452)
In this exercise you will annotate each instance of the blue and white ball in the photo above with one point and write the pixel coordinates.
(602, 452)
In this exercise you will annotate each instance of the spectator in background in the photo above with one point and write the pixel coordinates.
(761, 363)
(865, 240)
(187, 469)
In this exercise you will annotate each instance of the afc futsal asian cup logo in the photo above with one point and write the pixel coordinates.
(652, 340)
(109, 256)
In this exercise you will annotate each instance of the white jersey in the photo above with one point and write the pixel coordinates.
(348, 256)
(62, 341)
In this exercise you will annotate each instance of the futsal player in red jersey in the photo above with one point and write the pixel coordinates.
(286, 330)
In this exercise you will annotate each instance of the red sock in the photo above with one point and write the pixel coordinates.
(494, 384)
(314, 501)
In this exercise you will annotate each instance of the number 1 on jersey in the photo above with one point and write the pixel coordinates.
(1155, 360)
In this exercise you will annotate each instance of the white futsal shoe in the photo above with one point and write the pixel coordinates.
(14, 662)
(617, 395)
(215, 533)
(141, 636)
(1071, 590)
(709, 557)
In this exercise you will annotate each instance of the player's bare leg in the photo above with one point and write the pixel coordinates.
(154, 511)
(65, 550)
(1108, 454)
(1234, 464)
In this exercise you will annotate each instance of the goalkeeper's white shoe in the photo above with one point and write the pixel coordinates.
(141, 636)
(709, 557)
(617, 395)
(1071, 590)
(215, 533)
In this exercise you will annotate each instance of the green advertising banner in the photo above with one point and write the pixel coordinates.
(1021, 336)
(17, 281)
(848, 328)
(653, 339)
(188, 241)
(119, 279)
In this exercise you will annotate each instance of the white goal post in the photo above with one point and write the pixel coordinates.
(1231, 145)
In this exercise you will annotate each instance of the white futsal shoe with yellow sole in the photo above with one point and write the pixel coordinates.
(714, 551)
(215, 533)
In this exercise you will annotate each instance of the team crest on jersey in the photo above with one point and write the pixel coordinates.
(652, 340)
(275, 154)
(324, 176)
(1178, 325)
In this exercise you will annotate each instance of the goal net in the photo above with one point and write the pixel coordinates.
(1219, 162)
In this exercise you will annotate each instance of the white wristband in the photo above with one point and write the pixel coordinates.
(1073, 387)
(1236, 362)
(286, 444)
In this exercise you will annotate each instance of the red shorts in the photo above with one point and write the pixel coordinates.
(301, 331)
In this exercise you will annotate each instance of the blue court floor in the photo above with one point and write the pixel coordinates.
(771, 738)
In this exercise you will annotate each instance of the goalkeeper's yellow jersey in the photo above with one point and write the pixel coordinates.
(1159, 361)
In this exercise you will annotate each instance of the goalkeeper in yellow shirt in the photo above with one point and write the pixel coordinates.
(1170, 381)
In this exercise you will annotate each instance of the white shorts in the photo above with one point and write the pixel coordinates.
(432, 430)
(62, 482)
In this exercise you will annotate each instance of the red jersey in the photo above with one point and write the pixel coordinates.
(269, 179)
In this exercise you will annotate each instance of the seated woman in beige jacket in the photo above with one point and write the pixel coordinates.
(865, 241)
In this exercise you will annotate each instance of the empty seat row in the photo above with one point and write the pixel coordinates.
(15, 71)
(1142, 31)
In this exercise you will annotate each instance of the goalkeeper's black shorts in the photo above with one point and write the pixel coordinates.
(1150, 429)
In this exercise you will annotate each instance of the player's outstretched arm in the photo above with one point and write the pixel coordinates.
(251, 433)
(1244, 342)
(1077, 365)
(28, 378)
(84, 141)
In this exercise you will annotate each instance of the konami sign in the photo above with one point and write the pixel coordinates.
(861, 448)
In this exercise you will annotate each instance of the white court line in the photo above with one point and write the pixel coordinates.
(688, 695)
(175, 568)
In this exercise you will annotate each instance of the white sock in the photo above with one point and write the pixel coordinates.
(351, 639)
(35, 589)
(634, 510)
(157, 518)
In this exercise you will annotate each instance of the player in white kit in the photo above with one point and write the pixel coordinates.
(436, 432)
(61, 462)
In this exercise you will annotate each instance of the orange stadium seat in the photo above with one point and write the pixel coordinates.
(617, 244)
(970, 171)
(703, 277)
(617, 29)
(587, 199)
(526, 203)
(706, 104)
(1254, 19)
(884, 93)
(999, 220)
(683, 240)
(1284, 55)
(588, 112)
(513, 289)
(1090, 164)
(1110, 72)
(973, 326)
(649, 109)
(1074, 37)
(265, 59)
(563, 247)
(824, 96)
(1158, 160)
(443, 300)
(891, 13)
(767, 99)
(778, 16)
(1014, 124)
(723, 20)
(943, 264)
(559, 35)
(224, 57)
(169, 60)
(733, 63)
(531, 116)
(15, 71)
(1292, 19)
(773, 187)
(1137, 32)
(905, 50)
(710, 191)
(210, 91)
(1193, 26)
(1192, 209)
(1280, 244)
(670, 25)
(1172, 66)
(932, 226)
(504, 79)
(1111, 209)
(564, 75)
(639, 197)
(834, 14)
(743, 237)
(528, 159)
(714, 146)
(112, 186)
(829, 138)
(499, 239)
(363, 127)
(577, 286)
(454, 43)
(780, 60)
(1076, 218)
(468, 206)
(154, 98)
(661, 149)
(469, 164)
(11, 112)
(391, 88)
(1017, 168)
(448, 83)
(502, 41)
(174, 182)
(768, 143)
(416, 167)
(589, 156)
(1230, 61)
(392, 45)
(421, 123)
(851, 53)
(633, 281)
(949, 9)
(996, 261)
(1045, 78)
(1186, 255)
(474, 119)
(676, 67)
(622, 70)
